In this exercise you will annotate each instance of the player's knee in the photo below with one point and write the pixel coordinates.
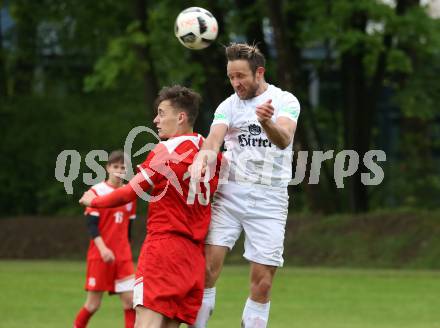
(208, 274)
(127, 300)
(127, 304)
(261, 288)
(212, 272)
(93, 306)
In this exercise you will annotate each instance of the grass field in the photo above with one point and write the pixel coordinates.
(44, 294)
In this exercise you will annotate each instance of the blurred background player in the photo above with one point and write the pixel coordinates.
(171, 267)
(109, 260)
(257, 124)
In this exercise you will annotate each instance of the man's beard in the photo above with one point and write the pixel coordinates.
(251, 93)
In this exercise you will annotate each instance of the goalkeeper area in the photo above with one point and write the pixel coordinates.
(47, 294)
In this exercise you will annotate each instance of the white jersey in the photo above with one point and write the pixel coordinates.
(251, 157)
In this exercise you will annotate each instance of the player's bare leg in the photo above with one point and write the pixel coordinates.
(215, 256)
(127, 300)
(261, 282)
(127, 305)
(171, 324)
(146, 318)
(93, 301)
(256, 310)
(91, 305)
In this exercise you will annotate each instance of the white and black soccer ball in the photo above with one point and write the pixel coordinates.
(196, 28)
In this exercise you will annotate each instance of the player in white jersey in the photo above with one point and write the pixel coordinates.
(257, 124)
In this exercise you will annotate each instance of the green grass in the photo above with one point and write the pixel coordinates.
(47, 294)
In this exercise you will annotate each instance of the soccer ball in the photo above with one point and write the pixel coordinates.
(196, 28)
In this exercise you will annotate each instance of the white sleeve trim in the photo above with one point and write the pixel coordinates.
(145, 175)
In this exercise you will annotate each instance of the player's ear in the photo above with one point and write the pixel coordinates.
(182, 117)
(259, 73)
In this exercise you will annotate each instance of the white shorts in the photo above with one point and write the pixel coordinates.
(260, 211)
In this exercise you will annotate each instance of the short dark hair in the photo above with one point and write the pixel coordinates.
(182, 98)
(116, 156)
(244, 51)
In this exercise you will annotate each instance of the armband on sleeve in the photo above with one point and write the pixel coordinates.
(92, 225)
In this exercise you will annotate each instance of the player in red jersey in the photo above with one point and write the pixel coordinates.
(170, 275)
(109, 260)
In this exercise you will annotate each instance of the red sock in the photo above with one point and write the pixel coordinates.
(82, 318)
(130, 316)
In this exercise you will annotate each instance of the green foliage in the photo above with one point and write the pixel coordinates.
(36, 130)
(172, 60)
(120, 59)
(59, 49)
(398, 62)
(397, 239)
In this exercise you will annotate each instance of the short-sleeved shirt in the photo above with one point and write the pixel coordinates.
(113, 225)
(250, 155)
(178, 205)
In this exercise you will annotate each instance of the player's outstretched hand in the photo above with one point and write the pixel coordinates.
(107, 255)
(198, 167)
(265, 111)
(87, 198)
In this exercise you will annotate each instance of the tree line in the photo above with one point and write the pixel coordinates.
(80, 75)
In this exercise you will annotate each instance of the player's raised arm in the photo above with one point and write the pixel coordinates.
(209, 150)
(215, 137)
(281, 131)
(118, 197)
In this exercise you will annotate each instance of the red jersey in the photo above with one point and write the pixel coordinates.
(113, 225)
(178, 205)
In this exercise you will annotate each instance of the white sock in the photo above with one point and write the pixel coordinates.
(206, 309)
(255, 315)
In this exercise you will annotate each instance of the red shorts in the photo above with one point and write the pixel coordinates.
(113, 277)
(170, 278)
